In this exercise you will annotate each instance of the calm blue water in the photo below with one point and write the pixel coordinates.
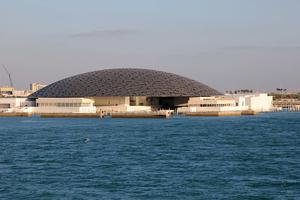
(181, 158)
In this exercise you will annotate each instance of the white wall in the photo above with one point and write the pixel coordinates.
(260, 102)
(208, 109)
(123, 108)
(138, 108)
(241, 103)
(256, 102)
(54, 109)
(16, 104)
(49, 105)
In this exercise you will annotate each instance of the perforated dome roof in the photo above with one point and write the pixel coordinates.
(125, 82)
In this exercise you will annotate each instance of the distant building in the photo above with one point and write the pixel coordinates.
(21, 93)
(36, 86)
(7, 90)
(12, 92)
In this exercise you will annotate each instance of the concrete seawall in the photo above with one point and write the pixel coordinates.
(249, 112)
(90, 115)
(14, 114)
(221, 113)
(159, 114)
(69, 115)
(213, 114)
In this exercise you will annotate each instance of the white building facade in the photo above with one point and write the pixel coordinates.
(87, 105)
(259, 102)
(230, 103)
(64, 105)
(16, 105)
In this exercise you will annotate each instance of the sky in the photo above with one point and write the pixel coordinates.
(227, 44)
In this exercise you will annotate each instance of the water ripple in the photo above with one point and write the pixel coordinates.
(181, 158)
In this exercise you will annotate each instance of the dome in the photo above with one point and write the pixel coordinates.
(125, 82)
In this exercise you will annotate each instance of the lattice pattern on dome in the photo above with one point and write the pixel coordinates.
(125, 82)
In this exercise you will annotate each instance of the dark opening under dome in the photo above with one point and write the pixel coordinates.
(125, 82)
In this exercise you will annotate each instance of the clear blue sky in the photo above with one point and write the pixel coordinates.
(228, 44)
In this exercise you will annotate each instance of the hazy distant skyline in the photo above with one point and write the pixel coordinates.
(227, 44)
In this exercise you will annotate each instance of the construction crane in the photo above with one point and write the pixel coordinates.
(9, 75)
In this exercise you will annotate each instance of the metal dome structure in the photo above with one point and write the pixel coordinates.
(125, 82)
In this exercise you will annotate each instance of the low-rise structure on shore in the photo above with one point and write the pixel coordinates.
(64, 105)
(131, 91)
(13, 104)
(119, 90)
(287, 101)
(260, 102)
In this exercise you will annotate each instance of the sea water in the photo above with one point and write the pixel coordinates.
(247, 157)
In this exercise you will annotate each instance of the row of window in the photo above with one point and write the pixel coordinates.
(211, 105)
(63, 104)
(4, 106)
